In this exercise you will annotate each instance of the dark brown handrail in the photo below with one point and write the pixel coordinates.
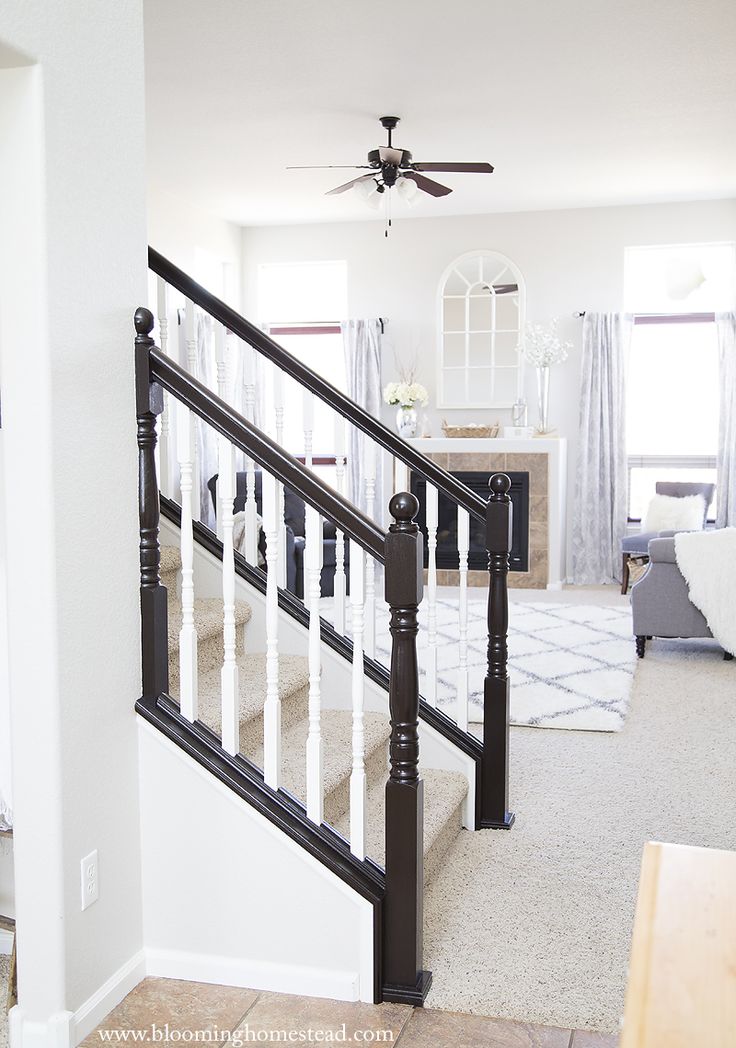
(313, 382)
(266, 453)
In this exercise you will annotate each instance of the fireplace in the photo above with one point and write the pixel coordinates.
(447, 556)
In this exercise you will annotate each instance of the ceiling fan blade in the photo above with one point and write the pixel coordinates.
(389, 155)
(326, 167)
(427, 184)
(348, 185)
(471, 168)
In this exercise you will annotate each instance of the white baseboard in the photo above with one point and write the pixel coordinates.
(554, 586)
(54, 1032)
(108, 996)
(6, 941)
(258, 975)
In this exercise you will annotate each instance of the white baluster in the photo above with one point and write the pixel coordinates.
(401, 476)
(230, 674)
(313, 567)
(221, 359)
(278, 403)
(251, 510)
(190, 335)
(430, 666)
(357, 775)
(340, 586)
(308, 424)
(463, 546)
(272, 706)
(164, 439)
(370, 570)
(187, 633)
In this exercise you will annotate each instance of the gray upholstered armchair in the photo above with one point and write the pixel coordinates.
(637, 545)
(660, 604)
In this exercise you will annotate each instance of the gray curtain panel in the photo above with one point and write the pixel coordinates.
(726, 459)
(599, 515)
(362, 346)
(207, 451)
(238, 352)
(205, 438)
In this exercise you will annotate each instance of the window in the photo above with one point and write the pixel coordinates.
(672, 386)
(671, 406)
(480, 324)
(302, 304)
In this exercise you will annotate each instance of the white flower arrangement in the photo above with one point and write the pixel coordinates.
(406, 394)
(541, 345)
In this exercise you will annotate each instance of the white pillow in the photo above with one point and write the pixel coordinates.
(669, 513)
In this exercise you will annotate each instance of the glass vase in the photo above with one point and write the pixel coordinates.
(543, 399)
(406, 422)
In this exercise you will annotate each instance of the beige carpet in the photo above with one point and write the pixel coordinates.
(535, 923)
(4, 977)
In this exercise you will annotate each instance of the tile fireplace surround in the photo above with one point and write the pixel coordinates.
(545, 460)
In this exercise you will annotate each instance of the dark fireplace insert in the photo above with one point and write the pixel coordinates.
(447, 555)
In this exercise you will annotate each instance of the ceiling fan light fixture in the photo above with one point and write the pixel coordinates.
(407, 190)
(391, 166)
(365, 187)
(369, 191)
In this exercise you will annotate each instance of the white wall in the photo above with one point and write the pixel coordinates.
(571, 260)
(213, 914)
(199, 243)
(72, 270)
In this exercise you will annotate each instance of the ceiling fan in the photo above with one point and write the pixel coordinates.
(390, 166)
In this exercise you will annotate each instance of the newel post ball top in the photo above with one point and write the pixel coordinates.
(403, 507)
(143, 320)
(500, 485)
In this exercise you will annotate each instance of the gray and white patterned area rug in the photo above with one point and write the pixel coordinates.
(571, 665)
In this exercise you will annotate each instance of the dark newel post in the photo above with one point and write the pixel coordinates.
(404, 979)
(149, 404)
(495, 777)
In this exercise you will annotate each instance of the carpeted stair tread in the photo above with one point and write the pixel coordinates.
(170, 560)
(444, 793)
(207, 618)
(293, 679)
(337, 730)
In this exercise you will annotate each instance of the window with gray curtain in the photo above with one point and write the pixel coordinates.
(599, 513)
(362, 347)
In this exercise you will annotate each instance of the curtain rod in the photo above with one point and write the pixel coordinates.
(667, 318)
(383, 321)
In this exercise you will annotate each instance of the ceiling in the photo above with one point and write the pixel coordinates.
(576, 104)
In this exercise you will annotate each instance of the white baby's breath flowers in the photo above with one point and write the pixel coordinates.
(541, 345)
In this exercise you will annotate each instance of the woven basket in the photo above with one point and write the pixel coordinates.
(472, 429)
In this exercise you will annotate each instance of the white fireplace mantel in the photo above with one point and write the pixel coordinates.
(555, 448)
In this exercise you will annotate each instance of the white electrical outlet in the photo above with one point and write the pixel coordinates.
(90, 880)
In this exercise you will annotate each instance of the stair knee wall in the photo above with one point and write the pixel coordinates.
(230, 899)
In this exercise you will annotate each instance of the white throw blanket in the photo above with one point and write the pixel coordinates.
(239, 534)
(707, 560)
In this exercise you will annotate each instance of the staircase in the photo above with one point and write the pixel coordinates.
(328, 753)
(444, 791)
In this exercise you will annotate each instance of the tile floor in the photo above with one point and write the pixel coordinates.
(172, 1012)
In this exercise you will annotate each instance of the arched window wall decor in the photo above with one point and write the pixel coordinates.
(481, 322)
